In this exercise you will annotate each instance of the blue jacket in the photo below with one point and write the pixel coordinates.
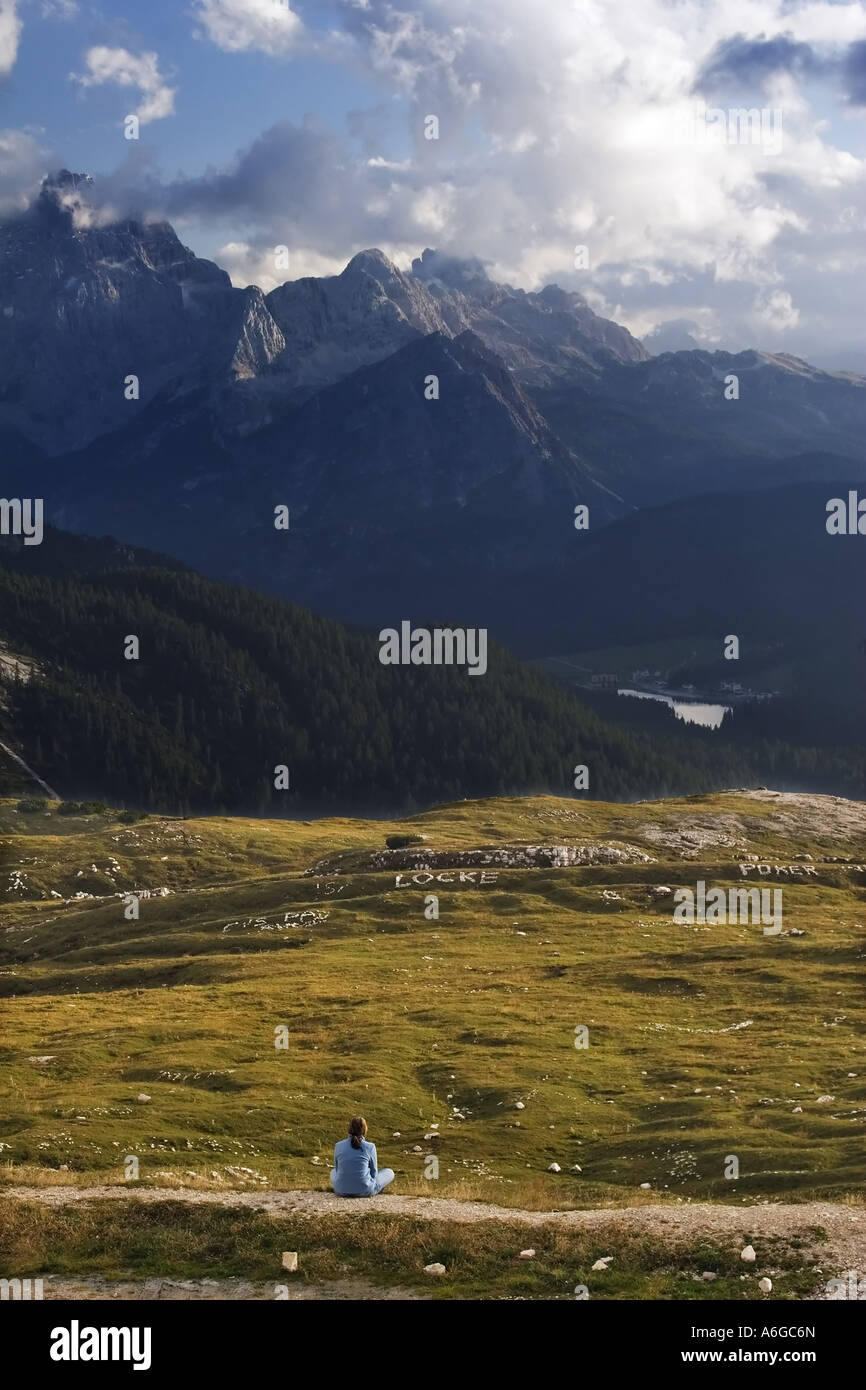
(354, 1169)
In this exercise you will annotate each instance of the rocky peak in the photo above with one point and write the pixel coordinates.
(371, 262)
(64, 192)
(453, 271)
(542, 336)
(336, 324)
(557, 298)
(88, 302)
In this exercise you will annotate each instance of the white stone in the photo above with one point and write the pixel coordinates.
(765, 1285)
(290, 1260)
(554, 1168)
(526, 1255)
(603, 1262)
(822, 1100)
(519, 1105)
(142, 1097)
(798, 1110)
(747, 1253)
(434, 1269)
(646, 1184)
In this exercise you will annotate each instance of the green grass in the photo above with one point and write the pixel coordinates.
(175, 1240)
(414, 1022)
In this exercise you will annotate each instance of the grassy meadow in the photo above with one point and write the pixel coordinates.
(155, 1037)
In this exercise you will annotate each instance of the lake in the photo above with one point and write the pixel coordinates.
(690, 711)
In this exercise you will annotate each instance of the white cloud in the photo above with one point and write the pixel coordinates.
(235, 25)
(10, 32)
(23, 165)
(58, 9)
(130, 70)
(257, 265)
(557, 128)
(778, 310)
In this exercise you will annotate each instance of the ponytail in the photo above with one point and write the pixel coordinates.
(357, 1130)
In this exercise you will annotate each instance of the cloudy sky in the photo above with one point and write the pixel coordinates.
(561, 124)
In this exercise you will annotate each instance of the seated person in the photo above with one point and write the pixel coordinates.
(356, 1171)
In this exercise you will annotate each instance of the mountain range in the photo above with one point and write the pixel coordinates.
(430, 432)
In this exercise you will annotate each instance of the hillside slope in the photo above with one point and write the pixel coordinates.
(230, 685)
(155, 1035)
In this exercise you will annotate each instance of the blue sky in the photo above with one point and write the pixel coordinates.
(222, 100)
(264, 124)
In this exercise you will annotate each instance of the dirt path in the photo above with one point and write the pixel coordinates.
(845, 1227)
(223, 1290)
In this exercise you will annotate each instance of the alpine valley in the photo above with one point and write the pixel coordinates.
(430, 438)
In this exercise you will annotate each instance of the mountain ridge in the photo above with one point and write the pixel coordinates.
(429, 433)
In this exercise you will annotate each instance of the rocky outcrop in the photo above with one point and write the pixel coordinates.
(493, 856)
(86, 304)
(543, 337)
(334, 325)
